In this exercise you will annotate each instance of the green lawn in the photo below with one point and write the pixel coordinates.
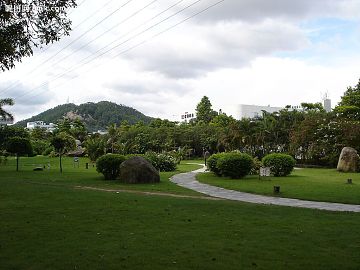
(79, 176)
(45, 223)
(310, 184)
(57, 227)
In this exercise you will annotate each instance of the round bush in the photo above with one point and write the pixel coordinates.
(235, 165)
(109, 165)
(212, 163)
(280, 164)
(162, 162)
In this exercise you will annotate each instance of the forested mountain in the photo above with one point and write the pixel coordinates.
(95, 115)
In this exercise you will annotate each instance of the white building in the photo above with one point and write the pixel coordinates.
(186, 117)
(41, 124)
(327, 105)
(252, 111)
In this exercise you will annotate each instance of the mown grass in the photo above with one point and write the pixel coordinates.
(58, 227)
(311, 184)
(78, 175)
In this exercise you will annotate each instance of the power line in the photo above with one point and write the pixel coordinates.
(45, 49)
(73, 41)
(138, 44)
(102, 34)
(80, 64)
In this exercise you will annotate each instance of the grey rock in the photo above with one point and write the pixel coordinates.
(138, 170)
(348, 160)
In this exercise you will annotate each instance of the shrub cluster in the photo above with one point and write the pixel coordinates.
(109, 165)
(162, 162)
(234, 165)
(212, 163)
(280, 164)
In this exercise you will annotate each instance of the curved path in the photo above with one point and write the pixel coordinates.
(188, 180)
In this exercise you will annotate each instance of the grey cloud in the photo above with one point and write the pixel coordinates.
(27, 95)
(258, 10)
(224, 45)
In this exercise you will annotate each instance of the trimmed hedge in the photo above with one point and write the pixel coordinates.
(234, 165)
(280, 164)
(109, 165)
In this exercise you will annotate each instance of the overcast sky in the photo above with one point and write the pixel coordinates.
(263, 52)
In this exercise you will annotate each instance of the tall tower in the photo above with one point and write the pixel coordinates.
(327, 102)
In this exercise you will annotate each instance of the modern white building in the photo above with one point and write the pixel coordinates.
(252, 111)
(327, 105)
(41, 124)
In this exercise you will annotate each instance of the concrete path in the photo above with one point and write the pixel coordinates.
(188, 180)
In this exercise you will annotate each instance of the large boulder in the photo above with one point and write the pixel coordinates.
(138, 170)
(349, 160)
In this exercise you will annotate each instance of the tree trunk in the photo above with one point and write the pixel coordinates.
(17, 162)
(60, 164)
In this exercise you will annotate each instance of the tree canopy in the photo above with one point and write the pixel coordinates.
(3, 113)
(204, 111)
(28, 24)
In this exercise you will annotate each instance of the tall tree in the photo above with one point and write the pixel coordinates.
(204, 111)
(28, 24)
(4, 114)
(349, 106)
(62, 143)
(19, 146)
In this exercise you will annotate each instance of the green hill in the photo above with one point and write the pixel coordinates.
(96, 116)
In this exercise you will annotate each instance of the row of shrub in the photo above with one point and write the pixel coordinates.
(109, 164)
(238, 165)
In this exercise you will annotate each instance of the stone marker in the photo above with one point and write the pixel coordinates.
(348, 160)
(138, 170)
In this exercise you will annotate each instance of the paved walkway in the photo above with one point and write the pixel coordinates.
(189, 181)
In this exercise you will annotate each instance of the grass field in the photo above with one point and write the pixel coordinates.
(310, 184)
(51, 225)
(79, 176)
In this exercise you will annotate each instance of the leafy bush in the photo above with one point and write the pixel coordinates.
(280, 164)
(109, 165)
(162, 162)
(256, 166)
(212, 163)
(235, 165)
(48, 151)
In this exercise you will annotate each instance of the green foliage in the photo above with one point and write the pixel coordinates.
(280, 164)
(44, 23)
(48, 151)
(7, 132)
(39, 146)
(162, 162)
(204, 111)
(109, 165)
(349, 106)
(63, 143)
(95, 147)
(235, 165)
(212, 163)
(96, 116)
(256, 166)
(19, 146)
(5, 102)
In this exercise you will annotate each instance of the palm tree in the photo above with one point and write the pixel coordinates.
(4, 114)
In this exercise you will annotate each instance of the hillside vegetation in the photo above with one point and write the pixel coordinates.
(95, 115)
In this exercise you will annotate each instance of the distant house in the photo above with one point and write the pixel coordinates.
(41, 124)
